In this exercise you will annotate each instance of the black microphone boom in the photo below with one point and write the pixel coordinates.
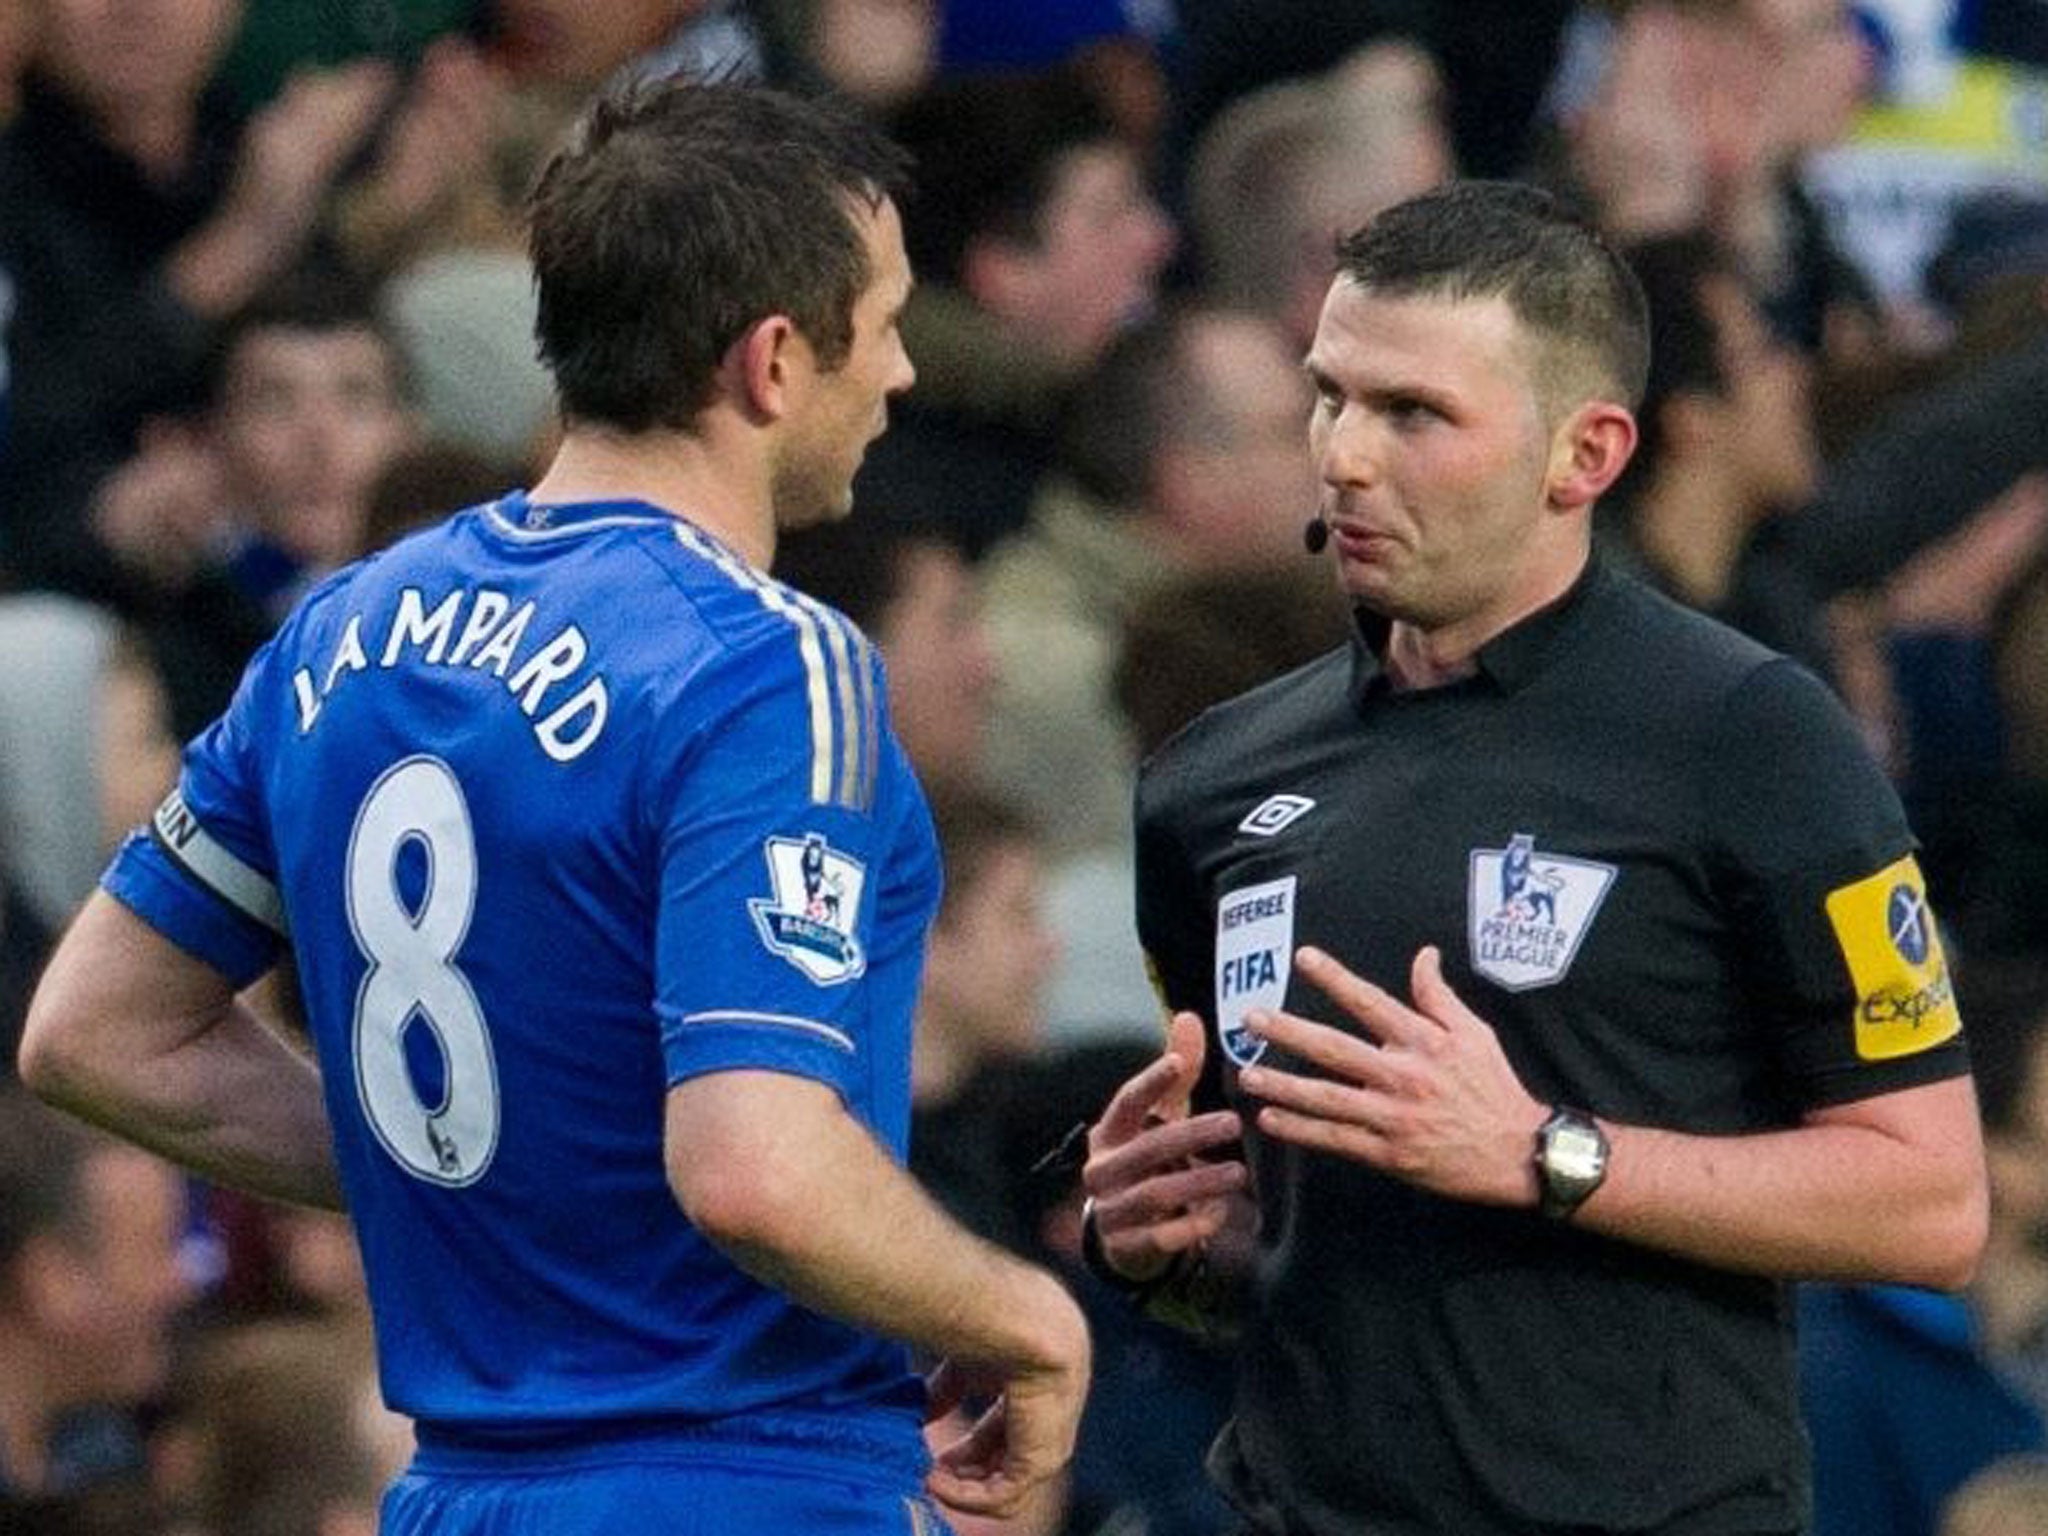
(1316, 535)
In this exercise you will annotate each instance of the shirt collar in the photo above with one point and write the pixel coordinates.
(1509, 661)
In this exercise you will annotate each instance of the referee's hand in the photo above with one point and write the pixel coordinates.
(1421, 1090)
(1154, 1193)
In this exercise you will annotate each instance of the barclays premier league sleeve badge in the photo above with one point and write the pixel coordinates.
(1528, 912)
(809, 921)
(1254, 954)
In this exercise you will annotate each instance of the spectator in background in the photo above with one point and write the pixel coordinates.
(85, 750)
(1181, 453)
(582, 50)
(1497, 56)
(1209, 636)
(89, 1285)
(913, 593)
(278, 39)
(980, 1012)
(1903, 1403)
(1726, 444)
(1284, 169)
(231, 520)
(879, 53)
(24, 945)
(422, 484)
(139, 216)
(1035, 242)
(1698, 114)
(287, 1434)
(18, 20)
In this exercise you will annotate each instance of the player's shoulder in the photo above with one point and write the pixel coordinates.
(757, 623)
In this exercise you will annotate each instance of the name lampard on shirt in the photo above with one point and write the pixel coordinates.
(481, 630)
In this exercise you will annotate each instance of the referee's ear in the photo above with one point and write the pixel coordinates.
(1588, 452)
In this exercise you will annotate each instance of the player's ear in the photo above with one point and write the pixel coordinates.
(758, 369)
(1588, 452)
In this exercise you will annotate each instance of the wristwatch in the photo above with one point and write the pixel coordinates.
(1571, 1160)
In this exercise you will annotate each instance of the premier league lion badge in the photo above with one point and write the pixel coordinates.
(810, 919)
(1529, 911)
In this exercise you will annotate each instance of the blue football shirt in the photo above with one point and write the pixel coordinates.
(557, 806)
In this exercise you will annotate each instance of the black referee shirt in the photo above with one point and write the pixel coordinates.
(1659, 861)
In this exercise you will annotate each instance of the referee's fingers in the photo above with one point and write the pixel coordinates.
(1143, 1097)
(1385, 1016)
(1437, 998)
(1119, 1165)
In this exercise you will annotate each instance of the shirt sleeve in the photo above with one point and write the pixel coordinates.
(203, 873)
(771, 862)
(1826, 889)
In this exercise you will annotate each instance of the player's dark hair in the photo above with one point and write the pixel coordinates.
(1504, 239)
(679, 215)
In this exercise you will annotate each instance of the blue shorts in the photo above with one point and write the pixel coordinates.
(698, 1498)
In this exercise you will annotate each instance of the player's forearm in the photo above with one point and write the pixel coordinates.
(232, 1104)
(1833, 1201)
(129, 1034)
(882, 1255)
(802, 1197)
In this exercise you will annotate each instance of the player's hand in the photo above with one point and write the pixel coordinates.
(1153, 1193)
(1427, 1095)
(1015, 1434)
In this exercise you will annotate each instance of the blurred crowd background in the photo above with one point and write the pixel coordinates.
(264, 308)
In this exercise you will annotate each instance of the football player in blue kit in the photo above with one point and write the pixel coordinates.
(606, 883)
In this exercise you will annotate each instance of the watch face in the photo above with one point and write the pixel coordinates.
(1575, 1151)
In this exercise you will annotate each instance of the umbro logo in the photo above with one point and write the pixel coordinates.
(1276, 813)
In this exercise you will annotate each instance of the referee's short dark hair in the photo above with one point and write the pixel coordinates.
(681, 214)
(1505, 239)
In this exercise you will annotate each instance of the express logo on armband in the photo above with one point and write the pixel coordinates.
(1254, 956)
(1528, 912)
(809, 921)
(1904, 999)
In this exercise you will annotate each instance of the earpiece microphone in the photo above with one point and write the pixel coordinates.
(1316, 535)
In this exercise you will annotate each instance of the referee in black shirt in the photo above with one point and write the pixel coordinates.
(1557, 958)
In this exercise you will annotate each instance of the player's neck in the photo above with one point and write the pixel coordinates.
(678, 472)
